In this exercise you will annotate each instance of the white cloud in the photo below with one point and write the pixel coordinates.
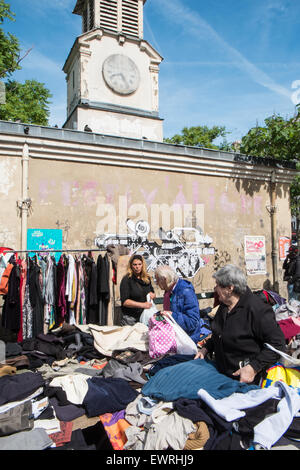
(196, 26)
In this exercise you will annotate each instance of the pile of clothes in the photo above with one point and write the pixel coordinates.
(91, 387)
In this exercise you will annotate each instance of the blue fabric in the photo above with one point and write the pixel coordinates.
(185, 310)
(185, 379)
(107, 395)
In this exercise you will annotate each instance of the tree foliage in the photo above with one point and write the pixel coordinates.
(198, 136)
(9, 44)
(278, 139)
(28, 102)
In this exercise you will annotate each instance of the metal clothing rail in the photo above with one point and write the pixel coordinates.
(49, 251)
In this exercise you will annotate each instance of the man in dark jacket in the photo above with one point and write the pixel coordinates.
(291, 267)
(243, 324)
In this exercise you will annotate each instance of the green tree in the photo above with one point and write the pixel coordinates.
(279, 138)
(200, 136)
(28, 102)
(9, 44)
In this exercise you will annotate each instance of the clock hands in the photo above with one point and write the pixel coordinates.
(120, 75)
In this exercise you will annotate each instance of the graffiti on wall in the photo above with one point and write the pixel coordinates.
(185, 249)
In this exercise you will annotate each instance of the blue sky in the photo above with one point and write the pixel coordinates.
(226, 62)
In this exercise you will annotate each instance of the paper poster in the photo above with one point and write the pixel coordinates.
(284, 244)
(255, 254)
(44, 239)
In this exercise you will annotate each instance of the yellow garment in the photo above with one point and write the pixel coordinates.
(288, 375)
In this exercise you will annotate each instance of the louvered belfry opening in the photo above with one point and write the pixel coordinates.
(119, 16)
(130, 17)
(109, 14)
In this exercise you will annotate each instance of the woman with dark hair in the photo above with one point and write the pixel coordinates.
(134, 287)
(242, 326)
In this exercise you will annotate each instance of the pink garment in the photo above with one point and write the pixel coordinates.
(289, 328)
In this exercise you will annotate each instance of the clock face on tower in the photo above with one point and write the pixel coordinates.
(121, 74)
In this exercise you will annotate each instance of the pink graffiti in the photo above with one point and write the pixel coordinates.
(45, 189)
(180, 198)
(246, 204)
(90, 192)
(227, 206)
(149, 197)
(195, 187)
(110, 193)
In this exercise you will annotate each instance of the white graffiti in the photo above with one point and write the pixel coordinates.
(182, 248)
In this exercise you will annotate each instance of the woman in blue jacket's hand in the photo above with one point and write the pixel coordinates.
(180, 301)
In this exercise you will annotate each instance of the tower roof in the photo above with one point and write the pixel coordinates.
(80, 4)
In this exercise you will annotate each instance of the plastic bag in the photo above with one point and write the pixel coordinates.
(161, 337)
(147, 313)
(184, 344)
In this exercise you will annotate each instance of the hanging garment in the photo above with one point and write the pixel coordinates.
(61, 289)
(49, 295)
(36, 298)
(11, 308)
(5, 278)
(103, 290)
(23, 276)
(70, 282)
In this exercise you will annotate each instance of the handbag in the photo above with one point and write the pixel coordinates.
(184, 344)
(161, 337)
(147, 313)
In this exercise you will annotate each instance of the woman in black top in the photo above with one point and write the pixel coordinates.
(134, 287)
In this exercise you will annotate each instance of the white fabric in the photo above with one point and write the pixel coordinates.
(75, 386)
(69, 287)
(110, 338)
(170, 432)
(148, 312)
(184, 343)
(4, 262)
(269, 430)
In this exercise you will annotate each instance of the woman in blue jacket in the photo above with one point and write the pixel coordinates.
(180, 301)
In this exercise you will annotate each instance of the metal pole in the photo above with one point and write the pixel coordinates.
(273, 232)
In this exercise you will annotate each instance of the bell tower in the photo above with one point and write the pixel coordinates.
(112, 72)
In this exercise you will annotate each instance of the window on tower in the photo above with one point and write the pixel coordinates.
(130, 17)
(109, 14)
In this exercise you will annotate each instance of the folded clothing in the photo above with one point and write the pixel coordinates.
(107, 395)
(19, 386)
(34, 439)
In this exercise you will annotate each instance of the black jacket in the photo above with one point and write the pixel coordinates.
(134, 289)
(240, 335)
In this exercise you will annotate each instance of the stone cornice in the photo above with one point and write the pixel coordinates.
(74, 146)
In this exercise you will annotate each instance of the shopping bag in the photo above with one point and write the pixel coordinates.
(161, 337)
(184, 344)
(147, 313)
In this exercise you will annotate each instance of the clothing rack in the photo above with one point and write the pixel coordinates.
(50, 251)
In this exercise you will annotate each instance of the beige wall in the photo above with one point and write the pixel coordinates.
(79, 188)
(10, 193)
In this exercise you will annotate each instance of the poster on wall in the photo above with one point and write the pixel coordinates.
(284, 244)
(255, 255)
(44, 239)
